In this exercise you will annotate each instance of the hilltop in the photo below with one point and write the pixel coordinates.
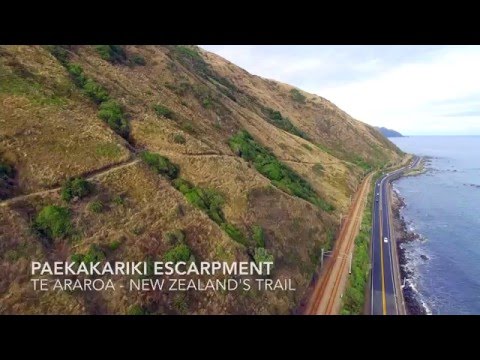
(178, 154)
(388, 132)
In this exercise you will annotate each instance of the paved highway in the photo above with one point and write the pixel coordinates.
(384, 292)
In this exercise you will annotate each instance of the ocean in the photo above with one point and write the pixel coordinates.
(443, 208)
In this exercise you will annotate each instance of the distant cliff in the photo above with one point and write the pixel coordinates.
(388, 132)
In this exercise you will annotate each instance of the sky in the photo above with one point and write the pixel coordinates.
(417, 90)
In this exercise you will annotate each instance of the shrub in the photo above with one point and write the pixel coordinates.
(235, 233)
(77, 258)
(96, 206)
(160, 164)
(53, 222)
(95, 91)
(114, 245)
(118, 200)
(362, 163)
(211, 202)
(262, 255)
(280, 175)
(163, 111)
(77, 74)
(179, 139)
(180, 252)
(188, 127)
(112, 53)
(205, 199)
(136, 310)
(93, 255)
(6, 171)
(284, 123)
(138, 60)
(188, 52)
(258, 236)
(76, 187)
(297, 96)
(207, 103)
(60, 53)
(112, 113)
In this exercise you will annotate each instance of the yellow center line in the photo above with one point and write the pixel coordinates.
(384, 299)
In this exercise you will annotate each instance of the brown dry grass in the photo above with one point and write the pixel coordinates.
(50, 131)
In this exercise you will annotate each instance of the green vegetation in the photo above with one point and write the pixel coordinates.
(205, 199)
(258, 236)
(160, 164)
(179, 139)
(137, 310)
(235, 233)
(112, 113)
(284, 123)
(189, 52)
(180, 88)
(96, 206)
(60, 52)
(114, 245)
(207, 103)
(325, 149)
(76, 187)
(95, 91)
(362, 163)
(297, 96)
(112, 53)
(53, 222)
(190, 57)
(188, 127)
(138, 60)
(93, 255)
(92, 89)
(163, 111)
(354, 298)
(262, 255)
(180, 252)
(279, 174)
(76, 72)
(211, 203)
(118, 200)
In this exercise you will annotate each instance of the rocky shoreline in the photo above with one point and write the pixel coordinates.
(403, 235)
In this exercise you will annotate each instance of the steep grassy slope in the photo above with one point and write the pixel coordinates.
(89, 111)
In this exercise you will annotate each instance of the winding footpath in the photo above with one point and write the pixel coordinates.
(93, 176)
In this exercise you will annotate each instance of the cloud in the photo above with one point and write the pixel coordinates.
(412, 89)
(466, 113)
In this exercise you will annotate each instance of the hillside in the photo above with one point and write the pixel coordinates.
(388, 132)
(186, 156)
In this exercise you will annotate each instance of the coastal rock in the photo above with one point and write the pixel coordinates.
(424, 257)
(414, 307)
(412, 303)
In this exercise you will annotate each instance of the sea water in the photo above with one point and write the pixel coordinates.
(443, 207)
